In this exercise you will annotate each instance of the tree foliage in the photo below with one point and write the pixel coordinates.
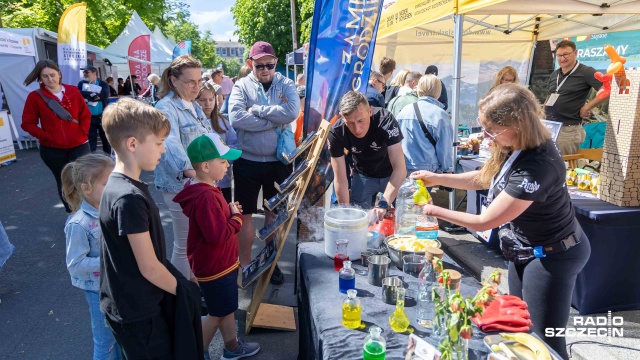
(107, 18)
(270, 21)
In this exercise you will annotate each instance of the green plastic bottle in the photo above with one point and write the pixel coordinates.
(375, 347)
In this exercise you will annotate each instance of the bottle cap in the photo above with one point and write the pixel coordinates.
(346, 264)
(352, 293)
(375, 331)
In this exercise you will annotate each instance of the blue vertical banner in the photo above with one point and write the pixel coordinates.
(182, 48)
(343, 37)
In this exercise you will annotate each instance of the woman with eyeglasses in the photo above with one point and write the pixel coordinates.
(506, 75)
(179, 88)
(529, 203)
(57, 115)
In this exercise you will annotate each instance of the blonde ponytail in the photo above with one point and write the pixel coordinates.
(85, 170)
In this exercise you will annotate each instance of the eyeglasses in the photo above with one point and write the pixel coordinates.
(565, 55)
(261, 67)
(487, 133)
(192, 83)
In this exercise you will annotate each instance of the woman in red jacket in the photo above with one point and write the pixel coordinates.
(61, 141)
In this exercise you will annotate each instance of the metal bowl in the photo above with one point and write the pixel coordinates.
(397, 254)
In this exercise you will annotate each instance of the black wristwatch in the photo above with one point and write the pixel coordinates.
(381, 202)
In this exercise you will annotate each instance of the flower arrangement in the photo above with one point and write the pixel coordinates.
(453, 312)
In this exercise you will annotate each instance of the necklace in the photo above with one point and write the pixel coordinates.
(65, 102)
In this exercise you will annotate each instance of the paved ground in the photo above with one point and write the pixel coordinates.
(43, 317)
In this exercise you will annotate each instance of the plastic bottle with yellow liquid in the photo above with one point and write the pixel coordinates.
(351, 310)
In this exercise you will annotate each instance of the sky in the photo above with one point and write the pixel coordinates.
(214, 16)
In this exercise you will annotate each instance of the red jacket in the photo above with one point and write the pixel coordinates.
(53, 131)
(212, 242)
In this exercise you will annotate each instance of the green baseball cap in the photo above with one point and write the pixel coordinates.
(210, 146)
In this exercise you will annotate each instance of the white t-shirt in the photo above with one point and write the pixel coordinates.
(190, 106)
(60, 94)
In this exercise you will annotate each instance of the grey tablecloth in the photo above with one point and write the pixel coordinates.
(322, 335)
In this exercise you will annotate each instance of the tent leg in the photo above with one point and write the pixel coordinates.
(458, 20)
(533, 51)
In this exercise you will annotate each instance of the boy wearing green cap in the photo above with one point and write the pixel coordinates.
(212, 242)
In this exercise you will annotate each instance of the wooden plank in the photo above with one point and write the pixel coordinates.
(283, 231)
(275, 317)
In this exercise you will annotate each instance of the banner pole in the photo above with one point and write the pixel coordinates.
(458, 20)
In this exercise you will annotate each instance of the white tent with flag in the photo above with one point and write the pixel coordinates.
(470, 40)
(163, 39)
(159, 46)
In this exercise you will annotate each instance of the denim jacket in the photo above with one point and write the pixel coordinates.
(83, 235)
(184, 128)
(419, 154)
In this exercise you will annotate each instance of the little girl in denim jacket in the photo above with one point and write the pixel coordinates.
(82, 184)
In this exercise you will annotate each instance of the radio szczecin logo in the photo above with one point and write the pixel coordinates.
(590, 326)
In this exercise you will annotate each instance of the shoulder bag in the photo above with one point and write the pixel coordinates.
(423, 126)
(57, 108)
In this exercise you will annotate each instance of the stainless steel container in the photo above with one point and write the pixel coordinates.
(378, 269)
(389, 293)
(397, 254)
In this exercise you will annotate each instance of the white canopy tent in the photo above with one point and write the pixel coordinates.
(163, 39)
(161, 49)
(406, 26)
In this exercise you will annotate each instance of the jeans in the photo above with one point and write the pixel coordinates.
(56, 159)
(6, 248)
(96, 129)
(364, 188)
(104, 344)
(180, 224)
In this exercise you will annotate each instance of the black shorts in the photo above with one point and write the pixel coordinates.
(221, 295)
(249, 176)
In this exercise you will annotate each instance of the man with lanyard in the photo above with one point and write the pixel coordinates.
(373, 137)
(96, 95)
(569, 87)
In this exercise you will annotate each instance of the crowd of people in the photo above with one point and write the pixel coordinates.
(143, 305)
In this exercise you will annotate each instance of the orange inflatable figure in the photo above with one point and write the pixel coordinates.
(617, 61)
(605, 90)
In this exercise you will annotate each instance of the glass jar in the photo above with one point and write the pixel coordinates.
(342, 253)
(375, 347)
(351, 310)
(346, 277)
(426, 280)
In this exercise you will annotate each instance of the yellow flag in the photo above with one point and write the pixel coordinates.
(72, 42)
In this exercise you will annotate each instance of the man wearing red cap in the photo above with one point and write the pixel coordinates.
(259, 104)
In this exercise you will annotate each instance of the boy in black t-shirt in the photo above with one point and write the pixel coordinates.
(372, 136)
(134, 278)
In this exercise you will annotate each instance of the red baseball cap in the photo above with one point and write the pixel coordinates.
(261, 49)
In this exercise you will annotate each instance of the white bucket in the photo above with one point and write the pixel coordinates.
(346, 223)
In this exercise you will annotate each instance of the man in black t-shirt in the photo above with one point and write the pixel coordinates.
(372, 136)
(569, 87)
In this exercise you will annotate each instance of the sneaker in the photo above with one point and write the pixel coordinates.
(244, 350)
(277, 278)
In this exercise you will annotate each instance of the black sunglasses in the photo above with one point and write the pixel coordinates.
(261, 67)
